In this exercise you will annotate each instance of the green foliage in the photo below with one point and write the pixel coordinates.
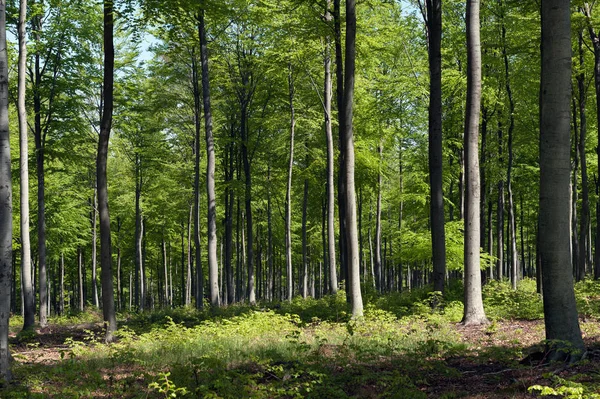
(502, 302)
(563, 388)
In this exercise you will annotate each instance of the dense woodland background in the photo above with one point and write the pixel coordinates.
(266, 58)
(262, 151)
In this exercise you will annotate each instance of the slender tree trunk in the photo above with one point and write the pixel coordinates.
(165, 268)
(229, 219)
(500, 215)
(596, 43)
(213, 266)
(40, 142)
(585, 200)
(348, 147)
(270, 284)
(27, 283)
(61, 303)
(473, 311)
(288, 195)
(94, 219)
(141, 291)
(330, 163)
(339, 74)
(514, 273)
(378, 267)
(188, 277)
(80, 275)
(305, 242)
(108, 301)
(438, 235)
(199, 285)
(560, 311)
(5, 205)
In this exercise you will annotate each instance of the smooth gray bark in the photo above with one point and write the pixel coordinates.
(288, 193)
(378, 267)
(561, 319)
(27, 283)
(473, 310)
(328, 93)
(6, 228)
(213, 265)
(348, 147)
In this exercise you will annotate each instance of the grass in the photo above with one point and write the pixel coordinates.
(308, 349)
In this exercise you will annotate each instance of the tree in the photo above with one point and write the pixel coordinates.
(327, 94)
(560, 312)
(348, 147)
(473, 310)
(28, 294)
(213, 266)
(108, 305)
(438, 235)
(5, 204)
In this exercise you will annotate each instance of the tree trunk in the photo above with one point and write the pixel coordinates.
(40, 143)
(596, 43)
(61, 303)
(348, 148)
(270, 284)
(514, 270)
(94, 218)
(585, 200)
(27, 283)
(288, 194)
(438, 235)
(330, 163)
(80, 276)
(305, 242)
(378, 268)
(500, 215)
(5, 205)
(339, 74)
(473, 311)
(199, 285)
(213, 266)
(140, 296)
(560, 311)
(108, 301)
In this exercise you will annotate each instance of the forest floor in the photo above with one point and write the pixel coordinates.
(314, 352)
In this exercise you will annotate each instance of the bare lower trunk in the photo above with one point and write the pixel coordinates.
(473, 310)
(288, 195)
(330, 165)
(5, 205)
(348, 139)
(213, 266)
(560, 311)
(27, 282)
(438, 235)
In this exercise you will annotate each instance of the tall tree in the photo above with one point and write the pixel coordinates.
(327, 95)
(561, 319)
(108, 301)
(5, 204)
(26, 284)
(347, 138)
(438, 235)
(288, 195)
(587, 10)
(213, 266)
(473, 310)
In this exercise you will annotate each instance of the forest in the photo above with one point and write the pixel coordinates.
(299, 199)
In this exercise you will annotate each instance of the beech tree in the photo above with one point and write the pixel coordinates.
(108, 306)
(5, 205)
(473, 310)
(561, 318)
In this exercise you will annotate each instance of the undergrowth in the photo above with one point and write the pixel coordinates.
(303, 348)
